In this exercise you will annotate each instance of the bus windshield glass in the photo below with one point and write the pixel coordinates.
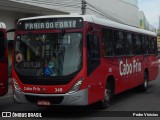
(53, 54)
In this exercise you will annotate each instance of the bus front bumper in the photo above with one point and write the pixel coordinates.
(79, 98)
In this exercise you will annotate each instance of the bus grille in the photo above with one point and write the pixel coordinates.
(53, 99)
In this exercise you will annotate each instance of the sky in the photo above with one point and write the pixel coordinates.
(151, 9)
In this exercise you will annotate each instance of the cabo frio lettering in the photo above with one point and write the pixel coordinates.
(126, 68)
(32, 89)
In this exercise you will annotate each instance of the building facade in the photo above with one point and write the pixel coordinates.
(158, 39)
(144, 24)
(11, 11)
(124, 11)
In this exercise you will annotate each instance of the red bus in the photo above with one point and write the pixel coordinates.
(80, 60)
(3, 60)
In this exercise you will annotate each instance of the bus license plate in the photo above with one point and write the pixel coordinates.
(43, 103)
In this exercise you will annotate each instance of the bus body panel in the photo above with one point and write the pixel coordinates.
(153, 66)
(126, 71)
(3, 61)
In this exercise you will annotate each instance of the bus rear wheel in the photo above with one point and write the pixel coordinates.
(145, 83)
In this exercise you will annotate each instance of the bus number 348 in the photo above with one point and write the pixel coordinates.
(58, 90)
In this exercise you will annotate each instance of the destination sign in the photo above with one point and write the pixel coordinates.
(51, 23)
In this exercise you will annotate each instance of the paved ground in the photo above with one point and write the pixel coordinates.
(125, 104)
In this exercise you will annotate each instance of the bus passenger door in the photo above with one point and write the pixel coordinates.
(3, 63)
(93, 68)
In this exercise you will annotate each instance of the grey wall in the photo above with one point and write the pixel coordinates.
(118, 9)
(10, 18)
(125, 12)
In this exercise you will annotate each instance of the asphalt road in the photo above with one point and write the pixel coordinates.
(123, 106)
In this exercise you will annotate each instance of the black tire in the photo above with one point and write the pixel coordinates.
(108, 96)
(145, 83)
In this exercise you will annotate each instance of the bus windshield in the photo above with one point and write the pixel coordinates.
(53, 54)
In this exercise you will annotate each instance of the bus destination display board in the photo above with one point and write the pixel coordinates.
(50, 23)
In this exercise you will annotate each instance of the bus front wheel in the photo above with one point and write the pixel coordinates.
(108, 95)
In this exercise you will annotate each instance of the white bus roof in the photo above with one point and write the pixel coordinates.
(96, 20)
(2, 25)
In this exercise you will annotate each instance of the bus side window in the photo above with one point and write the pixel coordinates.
(120, 46)
(108, 42)
(146, 45)
(155, 46)
(151, 46)
(93, 52)
(129, 46)
(137, 44)
(2, 45)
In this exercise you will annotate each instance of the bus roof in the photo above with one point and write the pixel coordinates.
(2, 25)
(96, 20)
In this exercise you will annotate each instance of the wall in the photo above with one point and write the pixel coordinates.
(119, 9)
(132, 2)
(10, 19)
(124, 10)
(144, 24)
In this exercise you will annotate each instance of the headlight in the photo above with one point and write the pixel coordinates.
(16, 85)
(76, 86)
